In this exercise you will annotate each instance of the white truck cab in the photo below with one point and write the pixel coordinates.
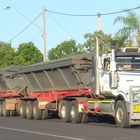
(119, 80)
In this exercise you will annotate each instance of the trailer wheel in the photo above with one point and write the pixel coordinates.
(29, 110)
(64, 112)
(5, 112)
(121, 115)
(37, 113)
(45, 114)
(12, 113)
(22, 109)
(76, 116)
(0, 108)
(84, 118)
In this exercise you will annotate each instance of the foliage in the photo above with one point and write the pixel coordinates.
(130, 29)
(104, 41)
(120, 42)
(7, 54)
(27, 53)
(66, 48)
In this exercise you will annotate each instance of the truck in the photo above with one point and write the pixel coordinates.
(75, 87)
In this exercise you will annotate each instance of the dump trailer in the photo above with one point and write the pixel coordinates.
(75, 87)
(9, 91)
(51, 87)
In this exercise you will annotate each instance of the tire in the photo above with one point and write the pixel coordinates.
(29, 110)
(22, 109)
(0, 108)
(75, 115)
(37, 113)
(64, 111)
(84, 118)
(45, 114)
(12, 113)
(121, 115)
(6, 113)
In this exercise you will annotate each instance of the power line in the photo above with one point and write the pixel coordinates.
(18, 34)
(28, 19)
(121, 11)
(20, 13)
(67, 14)
(60, 26)
(88, 15)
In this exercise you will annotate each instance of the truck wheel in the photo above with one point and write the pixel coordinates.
(22, 109)
(76, 116)
(64, 111)
(5, 112)
(29, 110)
(45, 114)
(121, 115)
(0, 108)
(12, 113)
(84, 118)
(37, 113)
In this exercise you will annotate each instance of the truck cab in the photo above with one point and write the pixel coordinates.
(119, 81)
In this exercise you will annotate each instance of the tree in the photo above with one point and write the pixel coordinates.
(104, 41)
(66, 48)
(131, 27)
(7, 54)
(27, 53)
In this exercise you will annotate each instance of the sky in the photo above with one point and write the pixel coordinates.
(58, 28)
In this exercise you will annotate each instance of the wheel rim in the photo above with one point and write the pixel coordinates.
(21, 110)
(72, 113)
(34, 111)
(63, 111)
(27, 110)
(0, 109)
(119, 115)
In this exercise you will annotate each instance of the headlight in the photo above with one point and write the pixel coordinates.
(136, 97)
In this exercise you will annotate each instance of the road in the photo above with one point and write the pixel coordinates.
(16, 128)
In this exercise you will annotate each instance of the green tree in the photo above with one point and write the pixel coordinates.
(130, 29)
(7, 54)
(27, 53)
(120, 41)
(66, 48)
(104, 41)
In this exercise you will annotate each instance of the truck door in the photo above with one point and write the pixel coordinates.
(105, 76)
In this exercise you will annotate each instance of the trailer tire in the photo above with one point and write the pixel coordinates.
(5, 112)
(29, 110)
(22, 109)
(75, 115)
(64, 111)
(121, 115)
(0, 108)
(84, 118)
(45, 114)
(37, 113)
(12, 113)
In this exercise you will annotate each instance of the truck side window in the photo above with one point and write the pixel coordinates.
(106, 64)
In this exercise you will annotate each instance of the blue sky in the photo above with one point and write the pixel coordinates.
(58, 28)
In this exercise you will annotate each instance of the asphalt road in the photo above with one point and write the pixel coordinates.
(16, 128)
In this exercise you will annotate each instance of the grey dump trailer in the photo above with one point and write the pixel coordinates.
(51, 86)
(63, 74)
(10, 82)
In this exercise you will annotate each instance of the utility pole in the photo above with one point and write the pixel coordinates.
(99, 22)
(44, 33)
(97, 91)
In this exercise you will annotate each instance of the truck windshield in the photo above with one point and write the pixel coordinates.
(128, 63)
